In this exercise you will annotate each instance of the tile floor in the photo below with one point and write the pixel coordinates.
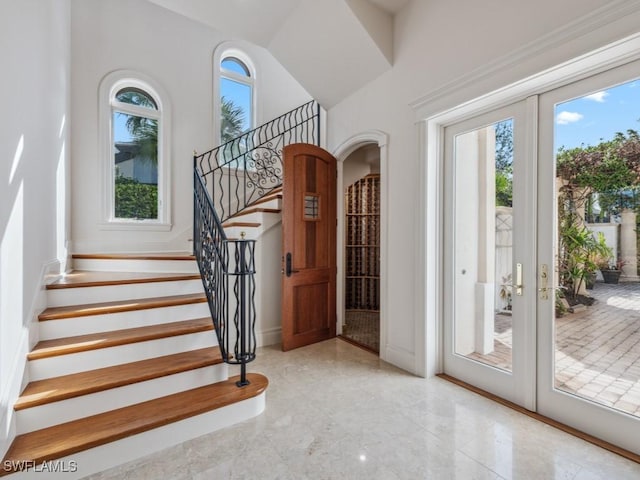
(335, 411)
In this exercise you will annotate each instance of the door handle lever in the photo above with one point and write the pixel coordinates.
(288, 262)
(544, 281)
(518, 286)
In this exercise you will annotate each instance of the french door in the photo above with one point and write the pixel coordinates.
(489, 334)
(589, 360)
(529, 190)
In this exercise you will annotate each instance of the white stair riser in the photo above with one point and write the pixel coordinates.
(256, 217)
(131, 448)
(69, 327)
(274, 203)
(267, 221)
(251, 233)
(132, 265)
(80, 295)
(107, 357)
(36, 418)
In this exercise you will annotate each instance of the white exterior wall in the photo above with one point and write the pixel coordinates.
(177, 53)
(34, 54)
(436, 43)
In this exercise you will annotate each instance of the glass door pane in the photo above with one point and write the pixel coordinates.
(597, 332)
(590, 314)
(483, 242)
(488, 234)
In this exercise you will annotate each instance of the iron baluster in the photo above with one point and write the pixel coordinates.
(254, 162)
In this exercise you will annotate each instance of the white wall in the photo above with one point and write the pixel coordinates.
(359, 164)
(34, 54)
(435, 43)
(178, 54)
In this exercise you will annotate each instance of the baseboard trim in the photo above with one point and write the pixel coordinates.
(399, 357)
(269, 336)
(549, 421)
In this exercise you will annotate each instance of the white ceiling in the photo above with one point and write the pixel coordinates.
(332, 47)
(390, 6)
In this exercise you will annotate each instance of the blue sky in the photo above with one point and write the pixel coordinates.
(120, 132)
(598, 116)
(240, 95)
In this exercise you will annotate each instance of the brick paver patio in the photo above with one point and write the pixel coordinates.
(597, 349)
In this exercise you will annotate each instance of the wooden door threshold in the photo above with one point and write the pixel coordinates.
(359, 345)
(549, 421)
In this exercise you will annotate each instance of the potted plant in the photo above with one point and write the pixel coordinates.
(611, 271)
(505, 294)
(581, 254)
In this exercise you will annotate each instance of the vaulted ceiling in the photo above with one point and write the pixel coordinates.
(332, 47)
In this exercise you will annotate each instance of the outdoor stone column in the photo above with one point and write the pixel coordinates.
(474, 219)
(486, 286)
(628, 244)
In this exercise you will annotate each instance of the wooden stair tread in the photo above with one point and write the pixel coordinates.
(51, 390)
(250, 210)
(94, 341)
(274, 194)
(72, 437)
(80, 278)
(74, 311)
(228, 224)
(134, 256)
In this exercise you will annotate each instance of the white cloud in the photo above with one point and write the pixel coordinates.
(564, 117)
(598, 96)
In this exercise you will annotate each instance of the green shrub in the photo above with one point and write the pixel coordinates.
(135, 200)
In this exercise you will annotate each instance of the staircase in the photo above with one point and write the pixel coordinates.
(133, 353)
(256, 218)
(127, 364)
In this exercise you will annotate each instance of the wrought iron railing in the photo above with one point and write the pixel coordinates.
(231, 177)
(249, 167)
(222, 261)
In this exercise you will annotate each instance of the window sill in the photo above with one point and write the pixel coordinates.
(134, 225)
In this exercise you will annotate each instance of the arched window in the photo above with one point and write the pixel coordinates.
(235, 93)
(134, 132)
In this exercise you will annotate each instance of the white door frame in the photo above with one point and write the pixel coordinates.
(431, 126)
(341, 153)
(431, 119)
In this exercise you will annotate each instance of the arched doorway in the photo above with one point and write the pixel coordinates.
(361, 191)
(362, 202)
